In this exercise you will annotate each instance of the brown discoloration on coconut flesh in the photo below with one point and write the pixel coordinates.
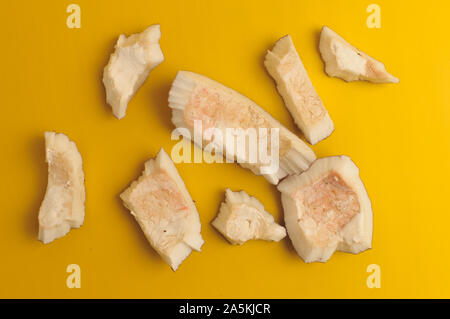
(328, 205)
(219, 110)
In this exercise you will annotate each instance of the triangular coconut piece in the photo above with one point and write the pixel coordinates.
(344, 61)
(242, 217)
(165, 211)
(196, 98)
(300, 97)
(326, 209)
(128, 67)
(63, 204)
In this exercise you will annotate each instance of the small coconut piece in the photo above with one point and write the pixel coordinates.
(327, 208)
(128, 67)
(194, 97)
(165, 211)
(300, 97)
(63, 204)
(344, 61)
(242, 217)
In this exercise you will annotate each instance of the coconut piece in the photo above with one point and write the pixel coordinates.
(327, 208)
(63, 204)
(342, 60)
(164, 210)
(300, 97)
(128, 67)
(194, 97)
(242, 217)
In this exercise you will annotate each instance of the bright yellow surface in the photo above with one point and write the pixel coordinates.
(397, 134)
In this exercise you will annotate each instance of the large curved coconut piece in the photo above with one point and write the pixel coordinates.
(165, 211)
(63, 204)
(327, 208)
(300, 97)
(344, 61)
(128, 67)
(194, 97)
(242, 217)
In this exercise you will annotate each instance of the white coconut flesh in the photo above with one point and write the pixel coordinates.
(129, 66)
(194, 97)
(242, 217)
(164, 210)
(326, 209)
(300, 97)
(344, 61)
(63, 204)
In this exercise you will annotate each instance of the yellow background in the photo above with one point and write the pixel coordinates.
(398, 135)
